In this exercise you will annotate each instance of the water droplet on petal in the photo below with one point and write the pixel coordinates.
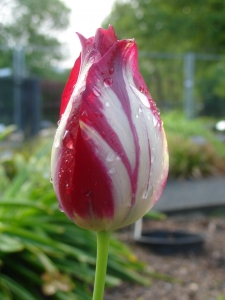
(89, 195)
(58, 122)
(68, 189)
(154, 121)
(68, 140)
(141, 89)
(107, 104)
(84, 113)
(152, 158)
(137, 116)
(110, 156)
(108, 82)
(60, 208)
(92, 59)
(51, 180)
(111, 71)
(148, 192)
(112, 170)
(145, 195)
(96, 92)
(57, 142)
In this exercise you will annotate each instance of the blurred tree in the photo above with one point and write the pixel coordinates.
(33, 25)
(176, 26)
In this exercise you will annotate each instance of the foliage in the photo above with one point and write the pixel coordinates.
(42, 253)
(7, 131)
(194, 149)
(34, 26)
(171, 26)
(176, 27)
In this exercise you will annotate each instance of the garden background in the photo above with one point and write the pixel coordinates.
(182, 59)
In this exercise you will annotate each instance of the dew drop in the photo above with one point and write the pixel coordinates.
(148, 192)
(51, 180)
(68, 141)
(140, 110)
(137, 116)
(89, 195)
(145, 195)
(84, 113)
(107, 104)
(60, 208)
(92, 59)
(96, 92)
(108, 82)
(57, 143)
(69, 188)
(152, 158)
(110, 156)
(111, 71)
(154, 121)
(141, 89)
(112, 170)
(58, 122)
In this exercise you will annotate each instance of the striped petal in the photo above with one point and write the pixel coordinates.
(109, 159)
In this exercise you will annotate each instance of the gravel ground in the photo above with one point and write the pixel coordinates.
(199, 276)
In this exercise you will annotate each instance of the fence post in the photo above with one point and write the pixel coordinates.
(18, 74)
(189, 70)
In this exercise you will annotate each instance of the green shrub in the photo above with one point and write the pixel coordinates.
(189, 158)
(42, 253)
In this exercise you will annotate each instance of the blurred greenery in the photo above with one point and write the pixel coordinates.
(194, 148)
(42, 253)
(177, 26)
(171, 26)
(34, 26)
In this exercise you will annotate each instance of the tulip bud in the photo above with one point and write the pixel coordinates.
(109, 159)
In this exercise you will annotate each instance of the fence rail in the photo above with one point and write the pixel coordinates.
(191, 81)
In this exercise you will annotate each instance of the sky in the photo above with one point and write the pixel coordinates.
(86, 16)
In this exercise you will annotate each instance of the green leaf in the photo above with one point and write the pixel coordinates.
(17, 289)
(10, 244)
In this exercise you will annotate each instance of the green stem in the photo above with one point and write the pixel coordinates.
(103, 238)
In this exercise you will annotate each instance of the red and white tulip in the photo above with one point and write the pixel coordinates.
(109, 158)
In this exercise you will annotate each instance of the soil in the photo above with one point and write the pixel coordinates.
(198, 276)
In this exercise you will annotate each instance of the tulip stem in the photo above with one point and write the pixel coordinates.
(103, 238)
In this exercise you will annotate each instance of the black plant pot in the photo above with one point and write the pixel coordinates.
(167, 242)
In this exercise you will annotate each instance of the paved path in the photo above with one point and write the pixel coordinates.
(189, 194)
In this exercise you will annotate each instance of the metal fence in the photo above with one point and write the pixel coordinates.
(194, 83)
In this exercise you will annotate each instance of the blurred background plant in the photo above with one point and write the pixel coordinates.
(194, 148)
(42, 253)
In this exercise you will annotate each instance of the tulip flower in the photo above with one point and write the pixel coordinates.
(109, 158)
